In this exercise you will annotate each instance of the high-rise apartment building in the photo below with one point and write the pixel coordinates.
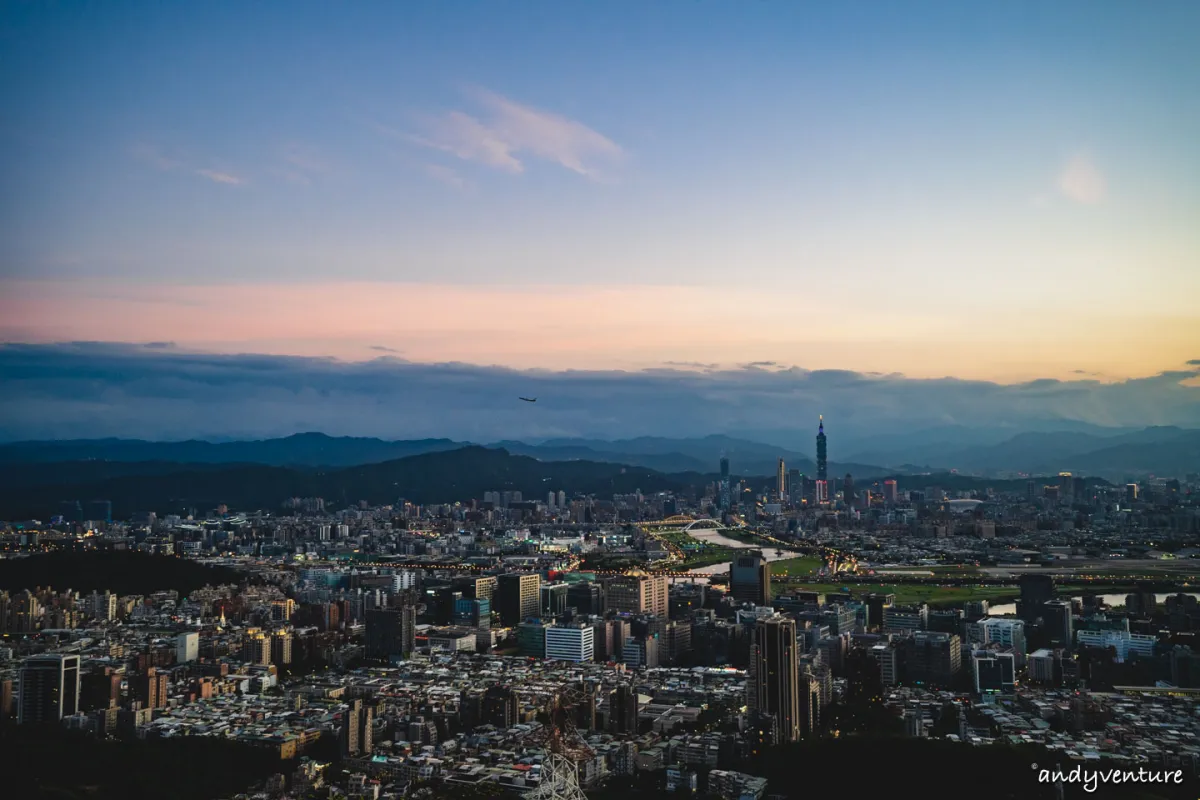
(281, 647)
(933, 658)
(49, 689)
(773, 680)
(153, 688)
(639, 593)
(391, 633)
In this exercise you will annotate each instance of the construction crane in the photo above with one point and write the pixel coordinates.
(565, 747)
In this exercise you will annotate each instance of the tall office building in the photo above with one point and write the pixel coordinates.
(1036, 591)
(553, 598)
(49, 689)
(773, 682)
(848, 491)
(750, 578)
(187, 647)
(724, 490)
(517, 597)
(586, 597)
(822, 464)
(781, 480)
(391, 633)
(570, 643)
(795, 483)
(100, 689)
(480, 588)
(1060, 622)
(639, 593)
(622, 713)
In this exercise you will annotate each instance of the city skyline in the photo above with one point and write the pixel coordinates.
(1005, 195)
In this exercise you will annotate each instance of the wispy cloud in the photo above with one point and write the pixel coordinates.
(506, 131)
(383, 349)
(1082, 181)
(154, 156)
(301, 163)
(447, 176)
(217, 176)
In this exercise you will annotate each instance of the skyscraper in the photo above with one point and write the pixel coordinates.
(723, 489)
(822, 464)
(775, 670)
(49, 689)
(639, 593)
(187, 647)
(781, 480)
(391, 632)
(517, 597)
(750, 578)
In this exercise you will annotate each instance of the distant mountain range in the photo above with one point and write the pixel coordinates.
(1163, 451)
(437, 477)
(142, 475)
(37, 490)
(319, 450)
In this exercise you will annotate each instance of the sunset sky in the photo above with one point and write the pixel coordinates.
(998, 192)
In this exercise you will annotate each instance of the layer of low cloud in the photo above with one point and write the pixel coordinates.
(89, 390)
(1082, 181)
(503, 133)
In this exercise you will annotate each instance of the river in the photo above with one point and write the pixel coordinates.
(770, 552)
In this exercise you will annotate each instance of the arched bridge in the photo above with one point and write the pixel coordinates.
(685, 523)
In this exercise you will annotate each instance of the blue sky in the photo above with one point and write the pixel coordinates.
(998, 192)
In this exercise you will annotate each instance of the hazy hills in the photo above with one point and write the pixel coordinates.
(319, 450)
(438, 477)
(1159, 450)
(36, 491)
(140, 475)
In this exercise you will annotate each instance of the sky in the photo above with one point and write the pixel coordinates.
(993, 193)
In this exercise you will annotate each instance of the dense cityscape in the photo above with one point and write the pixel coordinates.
(556, 400)
(571, 643)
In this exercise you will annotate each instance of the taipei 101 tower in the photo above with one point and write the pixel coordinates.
(822, 464)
